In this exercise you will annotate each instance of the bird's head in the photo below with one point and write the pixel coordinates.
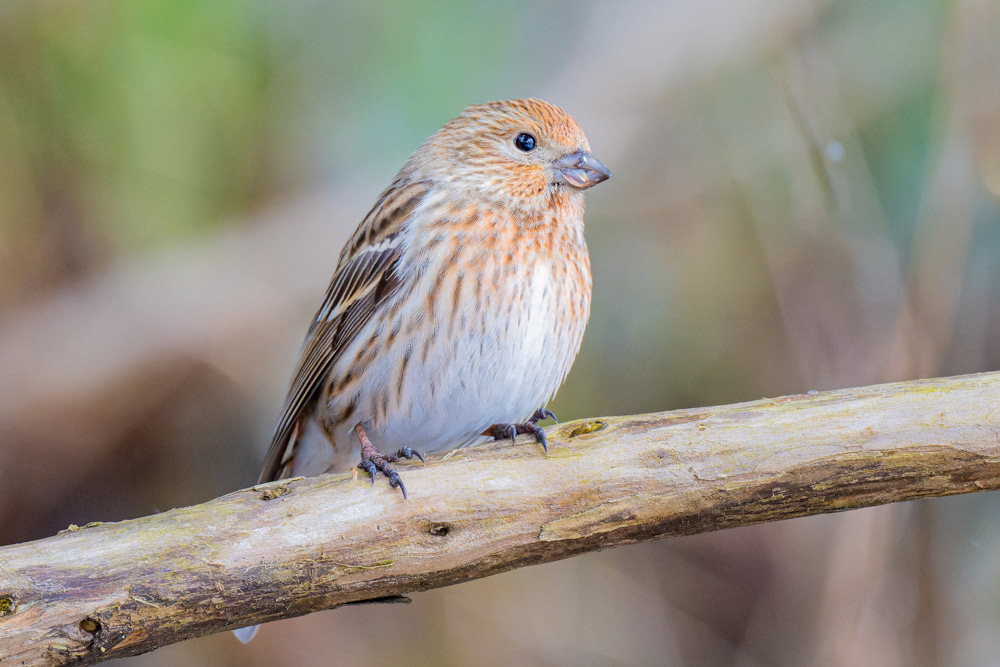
(520, 154)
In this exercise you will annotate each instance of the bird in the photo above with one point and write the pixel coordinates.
(457, 306)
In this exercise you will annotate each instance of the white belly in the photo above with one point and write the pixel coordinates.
(500, 363)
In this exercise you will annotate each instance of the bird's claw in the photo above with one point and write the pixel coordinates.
(504, 431)
(372, 460)
(540, 436)
(409, 453)
(369, 467)
(543, 413)
(381, 463)
(395, 481)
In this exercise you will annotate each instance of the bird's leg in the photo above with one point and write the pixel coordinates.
(503, 431)
(372, 460)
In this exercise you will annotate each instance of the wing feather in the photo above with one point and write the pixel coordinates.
(367, 275)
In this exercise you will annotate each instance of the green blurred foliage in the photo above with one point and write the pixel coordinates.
(142, 114)
(127, 124)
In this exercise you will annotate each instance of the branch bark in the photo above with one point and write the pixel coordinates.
(297, 546)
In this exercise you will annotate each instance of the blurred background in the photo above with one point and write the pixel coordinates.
(805, 196)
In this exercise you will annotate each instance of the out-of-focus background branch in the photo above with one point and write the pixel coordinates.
(804, 197)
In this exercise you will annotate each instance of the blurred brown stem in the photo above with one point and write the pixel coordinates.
(296, 546)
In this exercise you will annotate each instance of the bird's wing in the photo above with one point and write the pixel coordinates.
(367, 275)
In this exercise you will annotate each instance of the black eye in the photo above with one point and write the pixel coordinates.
(524, 142)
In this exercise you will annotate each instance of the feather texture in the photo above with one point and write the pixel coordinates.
(365, 277)
(460, 301)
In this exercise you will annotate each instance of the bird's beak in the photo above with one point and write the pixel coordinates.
(581, 170)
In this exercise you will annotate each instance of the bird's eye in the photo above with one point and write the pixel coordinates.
(524, 142)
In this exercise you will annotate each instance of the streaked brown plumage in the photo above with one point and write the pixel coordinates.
(458, 304)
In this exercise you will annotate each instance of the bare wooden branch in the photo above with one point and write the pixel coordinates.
(297, 546)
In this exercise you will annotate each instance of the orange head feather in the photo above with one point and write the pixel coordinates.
(513, 154)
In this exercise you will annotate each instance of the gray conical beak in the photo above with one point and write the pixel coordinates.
(581, 170)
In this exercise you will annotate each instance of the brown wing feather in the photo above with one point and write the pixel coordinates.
(366, 277)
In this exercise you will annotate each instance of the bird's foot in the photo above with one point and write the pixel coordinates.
(504, 431)
(373, 461)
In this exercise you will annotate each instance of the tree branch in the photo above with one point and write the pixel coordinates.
(296, 546)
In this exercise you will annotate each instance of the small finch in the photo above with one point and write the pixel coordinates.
(458, 305)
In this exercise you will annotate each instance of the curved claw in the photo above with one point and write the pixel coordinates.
(499, 431)
(540, 436)
(409, 452)
(374, 461)
(543, 413)
(396, 481)
(368, 467)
